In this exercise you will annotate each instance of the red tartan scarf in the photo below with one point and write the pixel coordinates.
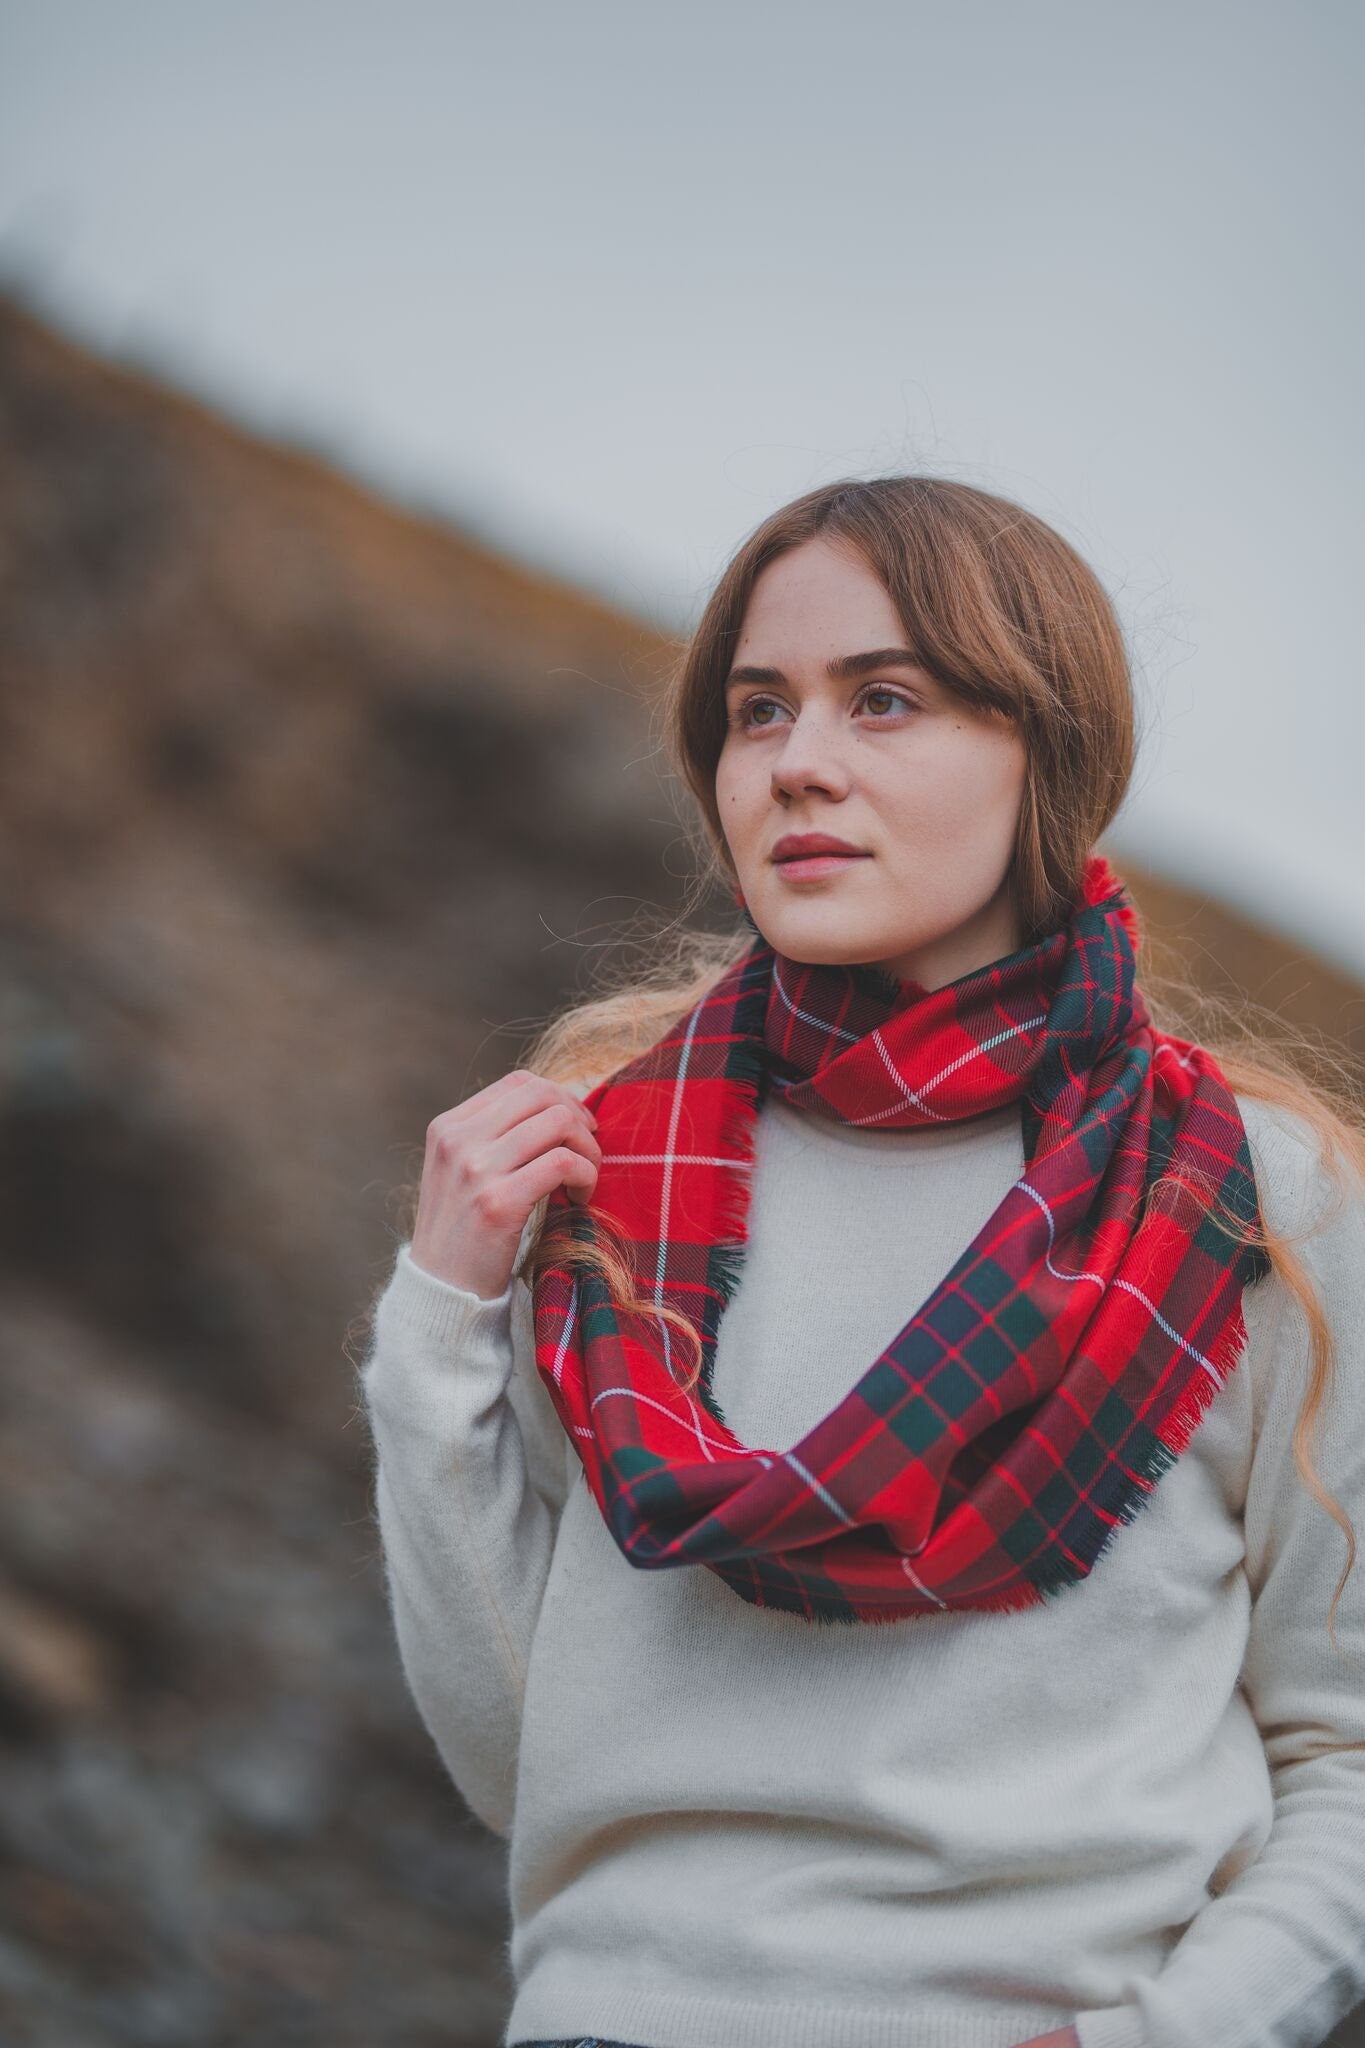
(1030, 1404)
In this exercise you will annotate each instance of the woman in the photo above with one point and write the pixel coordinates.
(996, 1254)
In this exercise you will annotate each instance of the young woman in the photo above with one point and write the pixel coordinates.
(893, 1267)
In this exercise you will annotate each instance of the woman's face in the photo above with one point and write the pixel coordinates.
(877, 754)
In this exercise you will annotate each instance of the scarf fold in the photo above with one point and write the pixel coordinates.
(1030, 1404)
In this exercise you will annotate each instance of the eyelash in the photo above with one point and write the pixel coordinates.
(741, 721)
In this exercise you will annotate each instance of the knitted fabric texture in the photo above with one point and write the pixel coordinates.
(1029, 1405)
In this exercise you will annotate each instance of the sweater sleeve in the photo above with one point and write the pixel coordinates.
(471, 1471)
(1278, 1957)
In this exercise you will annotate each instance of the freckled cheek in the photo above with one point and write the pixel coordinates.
(739, 794)
(970, 773)
(742, 804)
(947, 802)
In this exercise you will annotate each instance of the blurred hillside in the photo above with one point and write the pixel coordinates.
(310, 809)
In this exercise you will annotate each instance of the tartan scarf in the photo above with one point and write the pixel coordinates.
(1031, 1402)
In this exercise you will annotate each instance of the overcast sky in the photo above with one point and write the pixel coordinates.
(611, 281)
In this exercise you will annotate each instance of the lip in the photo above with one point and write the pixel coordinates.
(817, 865)
(804, 845)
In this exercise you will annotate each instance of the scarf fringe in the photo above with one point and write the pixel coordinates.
(1059, 1574)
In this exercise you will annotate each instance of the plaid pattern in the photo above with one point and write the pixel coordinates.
(1030, 1404)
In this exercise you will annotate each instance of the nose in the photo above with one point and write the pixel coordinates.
(809, 758)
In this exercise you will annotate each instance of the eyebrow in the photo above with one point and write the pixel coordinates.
(842, 667)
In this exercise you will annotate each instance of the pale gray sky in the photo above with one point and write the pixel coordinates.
(611, 281)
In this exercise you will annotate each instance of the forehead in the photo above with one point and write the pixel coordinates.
(818, 576)
(816, 603)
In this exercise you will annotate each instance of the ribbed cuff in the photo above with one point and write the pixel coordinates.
(447, 1315)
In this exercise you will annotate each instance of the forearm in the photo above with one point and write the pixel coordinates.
(467, 1536)
(1279, 1957)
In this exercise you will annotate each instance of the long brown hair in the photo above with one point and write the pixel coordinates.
(1002, 610)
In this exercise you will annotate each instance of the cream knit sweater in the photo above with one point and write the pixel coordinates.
(731, 1828)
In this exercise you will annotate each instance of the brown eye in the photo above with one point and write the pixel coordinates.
(743, 718)
(891, 696)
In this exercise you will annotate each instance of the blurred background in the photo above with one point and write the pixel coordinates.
(381, 392)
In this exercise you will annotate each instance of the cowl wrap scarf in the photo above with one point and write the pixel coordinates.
(1030, 1404)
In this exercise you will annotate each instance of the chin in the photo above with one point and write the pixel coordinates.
(835, 949)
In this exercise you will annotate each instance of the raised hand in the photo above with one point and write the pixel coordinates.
(488, 1162)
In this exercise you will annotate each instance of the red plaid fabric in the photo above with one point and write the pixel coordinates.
(1029, 1405)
